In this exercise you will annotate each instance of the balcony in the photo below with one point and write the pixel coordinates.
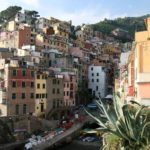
(143, 78)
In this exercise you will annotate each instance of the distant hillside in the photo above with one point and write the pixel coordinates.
(130, 24)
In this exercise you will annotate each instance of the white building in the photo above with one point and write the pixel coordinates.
(97, 80)
(20, 17)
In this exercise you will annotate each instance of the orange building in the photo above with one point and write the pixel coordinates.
(142, 65)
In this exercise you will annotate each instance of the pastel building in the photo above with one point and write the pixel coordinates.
(142, 65)
(16, 39)
(131, 76)
(70, 88)
(55, 91)
(41, 93)
(16, 88)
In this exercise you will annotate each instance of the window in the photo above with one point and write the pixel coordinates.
(37, 96)
(32, 85)
(17, 109)
(71, 94)
(71, 78)
(23, 84)
(67, 93)
(58, 91)
(92, 80)
(38, 76)
(53, 91)
(13, 95)
(103, 68)
(24, 108)
(71, 86)
(92, 74)
(43, 95)
(14, 72)
(64, 93)
(23, 72)
(54, 81)
(43, 77)
(91, 68)
(57, 103)
(97, 74)
(23, 96)
(67, 84)
(13, 84)
(38, 86)
(58, 82)
(32, 73)
(31, 95)
(43, 86)
(96, 88)
(97, 80)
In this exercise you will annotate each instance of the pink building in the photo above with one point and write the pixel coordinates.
(70, 86)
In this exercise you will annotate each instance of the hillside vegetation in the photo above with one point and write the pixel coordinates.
(130, 24)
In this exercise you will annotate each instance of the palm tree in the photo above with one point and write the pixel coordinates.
(120, 120)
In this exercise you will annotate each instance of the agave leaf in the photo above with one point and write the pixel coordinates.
(144, 127)
(122, 135)
(106, 112)
(129, 122)
(95, 118)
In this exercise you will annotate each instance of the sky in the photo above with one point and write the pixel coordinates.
(82, 11)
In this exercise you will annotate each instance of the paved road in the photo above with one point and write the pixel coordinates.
(77, 146)
(50, 142)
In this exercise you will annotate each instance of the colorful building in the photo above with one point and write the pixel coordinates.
(41, 93)
(142, 64)
(70, 89)
(17, 89)
(16, 39)
(55, 92)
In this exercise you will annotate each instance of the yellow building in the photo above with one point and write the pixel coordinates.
(142, 64)
(61, 30)
(42, 41)
(40, 93)
(12, 26)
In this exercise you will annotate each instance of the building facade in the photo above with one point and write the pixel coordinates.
(17, 91)
(142, 67)
(97, 81)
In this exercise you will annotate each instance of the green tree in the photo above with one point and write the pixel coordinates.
(9, 13)
(33, 15)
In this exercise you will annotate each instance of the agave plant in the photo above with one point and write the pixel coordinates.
(120, 119)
